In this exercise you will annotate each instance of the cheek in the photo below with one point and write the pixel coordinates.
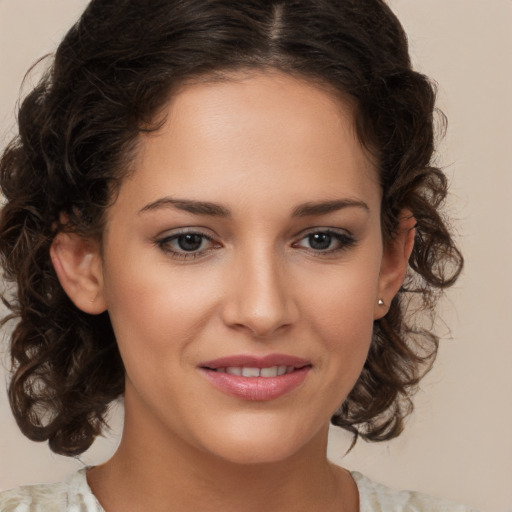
(340, 314)
(156, 311)
(342, 300)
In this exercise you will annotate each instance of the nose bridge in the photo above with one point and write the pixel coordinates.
(259, 299)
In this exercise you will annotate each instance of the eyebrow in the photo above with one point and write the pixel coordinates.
(309, 209)
(325, 207)
(188, 205)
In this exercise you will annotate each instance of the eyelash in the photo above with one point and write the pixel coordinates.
(345, 240)
(165, 245)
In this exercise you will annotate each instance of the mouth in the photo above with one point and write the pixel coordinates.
(256, 378)
(251, 372)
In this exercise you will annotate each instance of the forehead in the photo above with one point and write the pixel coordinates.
(257, 130)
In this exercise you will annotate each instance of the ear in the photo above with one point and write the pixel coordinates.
(395, 260)
(78, 265)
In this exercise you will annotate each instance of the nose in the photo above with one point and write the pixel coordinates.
(259, 297)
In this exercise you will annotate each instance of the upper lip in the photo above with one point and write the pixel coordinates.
(251, 361)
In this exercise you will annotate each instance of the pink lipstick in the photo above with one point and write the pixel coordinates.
(256, 378)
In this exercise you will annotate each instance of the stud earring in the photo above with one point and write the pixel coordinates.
(380, 302)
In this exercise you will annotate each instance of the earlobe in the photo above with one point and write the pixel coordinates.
(78, 265)
(395, 261)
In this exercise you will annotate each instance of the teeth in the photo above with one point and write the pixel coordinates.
(250, 372)
(269, 372)
(272, 371)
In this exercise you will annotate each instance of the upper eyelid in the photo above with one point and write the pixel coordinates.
(170, 235)
(334, 234)
(164, 244)
(207, 233)
(175, 232)
(323, 229)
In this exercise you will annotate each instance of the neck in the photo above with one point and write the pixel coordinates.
(152, 470)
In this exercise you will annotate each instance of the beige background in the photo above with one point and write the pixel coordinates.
(458, 443)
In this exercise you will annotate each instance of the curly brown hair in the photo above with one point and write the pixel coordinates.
(78, 128)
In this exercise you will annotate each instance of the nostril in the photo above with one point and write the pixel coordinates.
(258, 298)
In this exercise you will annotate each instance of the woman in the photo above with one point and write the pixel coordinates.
(211, 210)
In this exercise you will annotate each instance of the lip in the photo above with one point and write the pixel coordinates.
(256, 361)
(256, 388)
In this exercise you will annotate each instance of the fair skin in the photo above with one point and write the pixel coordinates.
(284, 259)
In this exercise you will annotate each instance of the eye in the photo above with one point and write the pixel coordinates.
(190, 242)
(325, 241)
(187, 244)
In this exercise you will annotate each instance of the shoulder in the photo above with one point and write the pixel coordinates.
(72, 494)
(375, 497)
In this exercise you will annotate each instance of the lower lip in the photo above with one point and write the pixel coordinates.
(256, 388)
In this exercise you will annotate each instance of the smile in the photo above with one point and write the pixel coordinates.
(272, 371)
(256, 378)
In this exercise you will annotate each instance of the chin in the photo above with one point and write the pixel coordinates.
(255, 453)
(260, 444)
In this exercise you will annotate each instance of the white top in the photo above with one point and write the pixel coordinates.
(75, 495)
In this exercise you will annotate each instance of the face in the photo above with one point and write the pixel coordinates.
(242, 265)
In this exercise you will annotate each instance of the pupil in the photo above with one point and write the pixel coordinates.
(320, 241)
(190, 242)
